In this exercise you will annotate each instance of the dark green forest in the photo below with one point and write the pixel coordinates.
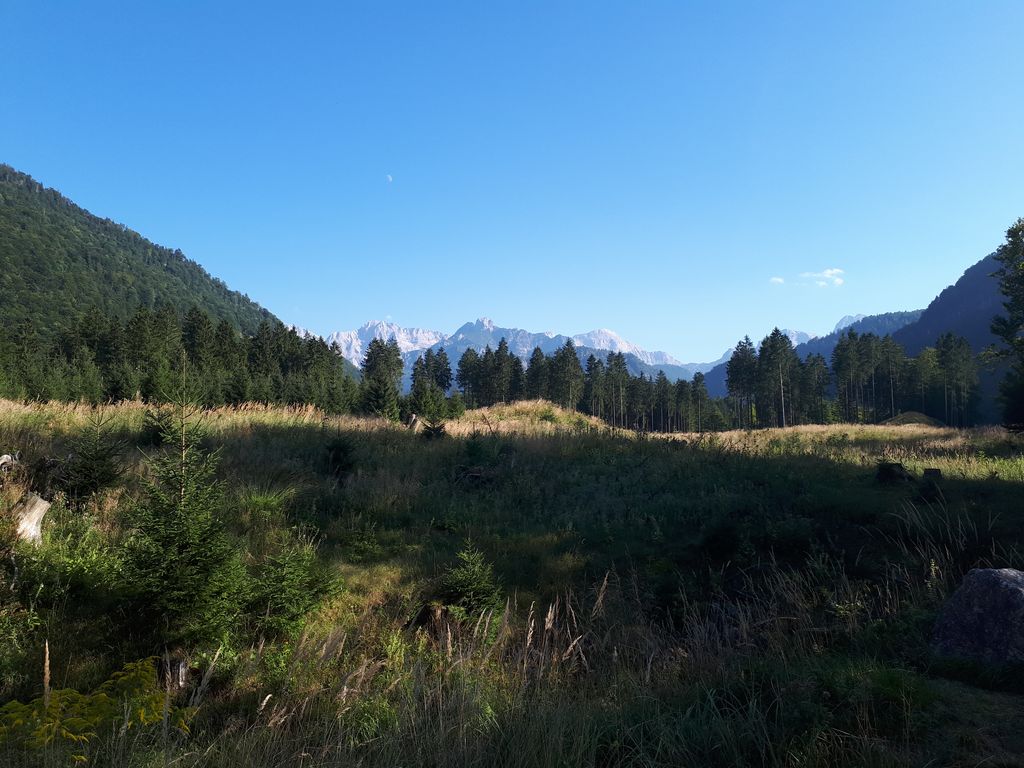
(57, 260)
(868, 379)
(107, 360)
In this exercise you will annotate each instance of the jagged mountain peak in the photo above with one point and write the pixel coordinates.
(485, 332)
(847, 321)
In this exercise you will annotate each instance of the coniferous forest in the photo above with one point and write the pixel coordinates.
(868, 380)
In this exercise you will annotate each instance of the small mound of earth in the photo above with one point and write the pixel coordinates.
(912, 417)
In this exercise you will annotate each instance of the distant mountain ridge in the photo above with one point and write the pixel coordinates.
(965, 308)
(58, 261)
(883, 324)
(414, 342)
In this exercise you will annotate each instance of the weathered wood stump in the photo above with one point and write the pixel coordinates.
(28, 516)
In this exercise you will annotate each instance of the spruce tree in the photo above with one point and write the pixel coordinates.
(1009, 328)
(187, 578)
(442, 370)
(537, 376)
(382, 376)
(741, 379)
(468, 376)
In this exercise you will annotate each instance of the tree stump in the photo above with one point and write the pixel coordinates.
(28, 516)
(891, 472)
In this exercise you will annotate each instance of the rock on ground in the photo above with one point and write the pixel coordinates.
(984, 619)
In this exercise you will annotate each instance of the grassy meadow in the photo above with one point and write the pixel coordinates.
(537, 589)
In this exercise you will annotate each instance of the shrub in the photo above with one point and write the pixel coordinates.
(340, 456)
(155, 424)
(289, 585)
(96, 459)
(471, 585)
(131, 698)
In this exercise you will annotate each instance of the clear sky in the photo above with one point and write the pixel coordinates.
(647, 167)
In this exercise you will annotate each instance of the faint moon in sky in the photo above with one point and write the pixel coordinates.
(388, 177)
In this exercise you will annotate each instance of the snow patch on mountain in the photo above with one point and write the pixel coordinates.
(847, 321)
(602, 338)
(353, 344)
(484, 332)
(798, 337)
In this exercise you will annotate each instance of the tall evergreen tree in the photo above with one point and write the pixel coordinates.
(566, 376)
(741, 379)
(468, 376)
(699, 396)
(1009, 328)
(537, 376)
(594, 387)
(442, 370)
(382, 377)
(776, 364)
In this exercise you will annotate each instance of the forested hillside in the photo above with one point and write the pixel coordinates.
(58, 261)
(965, 308)
(880, 325)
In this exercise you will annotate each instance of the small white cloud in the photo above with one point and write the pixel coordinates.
(832, 276)
(389, 177)
(776, 281)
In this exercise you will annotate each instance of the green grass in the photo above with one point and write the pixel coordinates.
(750, 598)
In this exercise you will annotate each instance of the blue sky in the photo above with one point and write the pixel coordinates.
(646, 167)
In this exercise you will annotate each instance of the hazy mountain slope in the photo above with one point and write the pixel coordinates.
(880, 325)
(58, 261)
(965, 308)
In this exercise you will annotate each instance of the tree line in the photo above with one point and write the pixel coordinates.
(868, 379)
(103, 359)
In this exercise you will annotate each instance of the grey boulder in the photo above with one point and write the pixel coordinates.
(984, 619)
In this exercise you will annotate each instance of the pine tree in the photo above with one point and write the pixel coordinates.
(179, 563)
(593, 387)
(516, 379)
(699, 396)
(566, 376)
(1009, 328)
(442, 371)
(426, 398)
(537, 376)
(502, 372)
(663, 400)
(741, 379)
(382, 376)
(468, 376)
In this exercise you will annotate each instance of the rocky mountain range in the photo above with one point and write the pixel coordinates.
(414, 342)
